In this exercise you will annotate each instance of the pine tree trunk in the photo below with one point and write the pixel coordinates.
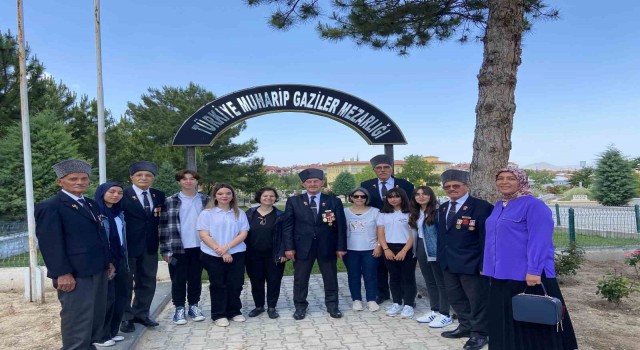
(496, 96)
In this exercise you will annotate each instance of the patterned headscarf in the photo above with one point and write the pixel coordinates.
(523, 183)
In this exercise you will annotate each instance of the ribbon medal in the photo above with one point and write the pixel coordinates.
(458, 224)
(472, 225)
(328, 216)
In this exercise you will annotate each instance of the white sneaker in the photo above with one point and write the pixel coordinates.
(107, 343)
(394, 310)
(373, 306)
(118, 338)
(238, 318)
(407, 312)
(441, 321)
(428, 317)
(357, 305)
(221, 322)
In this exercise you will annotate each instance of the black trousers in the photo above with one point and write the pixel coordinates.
(116, 301)
(402, 276)
(261, 268)
(383, 278)
(225, 284)
(142, 281)
(432, 274)
(469, 297)
(302, 273)
(83, 312)
(186, 277)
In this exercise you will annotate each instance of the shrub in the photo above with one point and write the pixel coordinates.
(615, 287)
(568, 195)
(569, 260)
(632, 259)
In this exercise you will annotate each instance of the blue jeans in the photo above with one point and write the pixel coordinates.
(362, 264)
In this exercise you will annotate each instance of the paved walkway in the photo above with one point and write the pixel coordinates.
(356, 330)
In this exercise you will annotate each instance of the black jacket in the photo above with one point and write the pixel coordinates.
(278, 243)
(70, 238)
(142, 228)
(461, 247)
(372, 186)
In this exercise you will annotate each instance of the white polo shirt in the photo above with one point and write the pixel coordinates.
(223, 227)
(396, 226)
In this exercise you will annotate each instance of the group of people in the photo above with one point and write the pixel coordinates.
(102, 255)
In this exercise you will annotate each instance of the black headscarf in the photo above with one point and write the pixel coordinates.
(115, 246)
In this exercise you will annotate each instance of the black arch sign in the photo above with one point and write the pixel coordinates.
(206, 124)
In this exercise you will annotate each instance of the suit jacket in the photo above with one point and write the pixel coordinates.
(142, 228)
(374, 190)
(461, 247)
(70, 238)
(300, 226)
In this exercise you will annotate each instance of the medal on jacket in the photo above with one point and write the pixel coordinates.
(328, 216)
(156, 211)
(458, 224)
(472, 225)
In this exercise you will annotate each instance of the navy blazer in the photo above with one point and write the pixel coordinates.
(300, 226)
(70, 238)
(374, 191)
(142, 228)
(461, 247)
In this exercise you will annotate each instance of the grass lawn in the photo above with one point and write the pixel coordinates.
(561, 239)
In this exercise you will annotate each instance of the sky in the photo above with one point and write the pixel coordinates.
(578, 88)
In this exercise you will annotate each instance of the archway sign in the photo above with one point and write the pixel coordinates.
(211, 120)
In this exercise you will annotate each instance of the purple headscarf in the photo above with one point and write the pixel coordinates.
(523, 183)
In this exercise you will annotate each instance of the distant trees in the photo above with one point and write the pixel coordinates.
(418, 171)
(344, 183)
(584, 176)
(540, 177)
(615, 182)
(365, 174)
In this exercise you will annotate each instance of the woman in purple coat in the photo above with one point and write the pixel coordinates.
(519, 254)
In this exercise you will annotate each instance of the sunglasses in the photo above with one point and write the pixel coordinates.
(359, 196)
(452, 187)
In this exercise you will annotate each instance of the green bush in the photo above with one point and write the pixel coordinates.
(615, 287)
(569, 260)
(568, 195)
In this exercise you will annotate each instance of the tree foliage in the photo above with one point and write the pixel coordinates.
(365, 174)
(540, 177)
(418, 171)
(51, 142)
(584, 176)
(615, 182)
(344, 183)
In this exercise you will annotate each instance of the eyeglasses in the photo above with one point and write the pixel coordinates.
(452, 187)
(359, 196)
(381, 167)
(393, 196)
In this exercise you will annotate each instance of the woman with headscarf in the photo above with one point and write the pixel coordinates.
(108, 196)
(519, 255)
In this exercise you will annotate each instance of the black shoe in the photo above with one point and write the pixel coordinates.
(272, 313)
(335, 312)
(300, 314)
(380, 300)
(456, 333)
(127, 327)
(147, 322)
(256, 312)
(476, 343)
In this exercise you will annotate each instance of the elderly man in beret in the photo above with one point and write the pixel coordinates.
(142, 206)
(382, 165)
(461, 235)
(315, 228)
(76, 255)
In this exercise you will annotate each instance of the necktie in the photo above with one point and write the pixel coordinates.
(383, 189)
(451, 215)
(147, 204)
(314, 206)
(84, 205)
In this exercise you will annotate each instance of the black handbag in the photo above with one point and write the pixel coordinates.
(541, 309)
